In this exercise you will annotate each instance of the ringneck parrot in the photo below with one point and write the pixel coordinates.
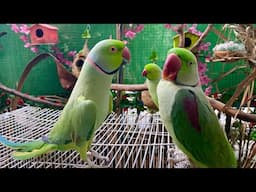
(152, 72)
(188, 116)
(87, 107)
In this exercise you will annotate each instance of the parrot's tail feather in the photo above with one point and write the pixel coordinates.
(46, 148)
(27, 146)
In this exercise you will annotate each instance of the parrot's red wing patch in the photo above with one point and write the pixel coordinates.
(190, 106)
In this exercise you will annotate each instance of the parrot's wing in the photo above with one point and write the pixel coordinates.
(83, 120)
(197, 129)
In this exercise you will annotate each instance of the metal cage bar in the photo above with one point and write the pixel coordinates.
(128, 140)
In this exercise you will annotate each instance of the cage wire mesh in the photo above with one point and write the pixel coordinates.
(128, 140)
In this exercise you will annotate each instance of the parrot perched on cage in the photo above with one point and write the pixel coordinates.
(77, 66)
(87, 107)
(153, 74)
(187, 114)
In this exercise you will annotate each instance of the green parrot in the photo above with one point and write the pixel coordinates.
(153, 74)
(87, 107)
(188, 116)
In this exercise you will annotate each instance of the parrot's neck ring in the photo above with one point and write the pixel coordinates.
(98, 68)
(187, 85)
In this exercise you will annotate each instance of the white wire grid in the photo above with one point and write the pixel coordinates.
(128, 140)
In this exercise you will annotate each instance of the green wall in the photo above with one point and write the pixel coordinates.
(43, 78)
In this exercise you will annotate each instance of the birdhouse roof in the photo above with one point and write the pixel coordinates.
(44, 25)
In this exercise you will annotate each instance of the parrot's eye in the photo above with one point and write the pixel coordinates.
(113, 49)
(190, 63)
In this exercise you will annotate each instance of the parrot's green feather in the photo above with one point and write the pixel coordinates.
(89, 104)
(206, 144)
(187, 114)
(153, 74)
(84, 122)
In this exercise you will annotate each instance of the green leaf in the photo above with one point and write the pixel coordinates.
(86, 34)
(253, 135)
(153, 57)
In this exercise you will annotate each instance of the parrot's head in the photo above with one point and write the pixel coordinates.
(109, 55)
(181, 67)
(152, 71)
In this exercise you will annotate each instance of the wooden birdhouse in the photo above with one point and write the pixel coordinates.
(190, 40)
(43, 34)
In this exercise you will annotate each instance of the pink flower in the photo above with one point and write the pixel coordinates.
(208, 90)
(204, 46)
(27, 45)
(24, 38)
(15, 28)
(130, 34)
(24, 29)
(139, 28)
(34, 49)
(202, 68)
(71, 53)
(204, 80)
(67, 62)
(168, 26)
(194, 31)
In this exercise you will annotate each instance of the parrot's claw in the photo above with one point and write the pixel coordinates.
(97, 155)
(93, 165)
(174, 158)
(171, 150)
(174, 161)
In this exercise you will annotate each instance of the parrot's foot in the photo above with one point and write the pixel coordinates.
(95, 154)
(93, 165)
(174, 161)
(175, 158)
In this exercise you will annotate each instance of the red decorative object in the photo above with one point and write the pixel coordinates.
(43, 34)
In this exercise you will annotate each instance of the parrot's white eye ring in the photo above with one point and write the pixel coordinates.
(190, 63)
(113, 49)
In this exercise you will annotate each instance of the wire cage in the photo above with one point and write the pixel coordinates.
(128, 140)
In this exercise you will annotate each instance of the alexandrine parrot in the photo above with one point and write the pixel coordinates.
(87, 107)
(153, 74)
(188, 116)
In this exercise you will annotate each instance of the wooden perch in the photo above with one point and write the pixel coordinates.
(139, 87)
(228, 73)
(29, 97)
(67, 79)
(130, 87)
(232, 112)
(241, 87)
(217, 32)
(181, 35)
(204, 34)
(214, 103)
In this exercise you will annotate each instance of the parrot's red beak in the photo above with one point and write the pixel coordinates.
(144, 73)
(171, 67)
(126, 54)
